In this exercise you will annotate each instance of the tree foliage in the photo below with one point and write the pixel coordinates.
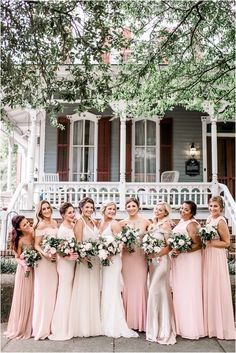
(181, 53)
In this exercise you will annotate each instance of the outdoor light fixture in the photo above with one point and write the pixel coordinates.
(193, 150)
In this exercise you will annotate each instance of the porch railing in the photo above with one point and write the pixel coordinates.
(148, 193)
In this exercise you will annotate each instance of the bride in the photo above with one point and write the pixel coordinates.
(112, 310)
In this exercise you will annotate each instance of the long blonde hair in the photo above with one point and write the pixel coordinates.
(105, 205)
(38, 217)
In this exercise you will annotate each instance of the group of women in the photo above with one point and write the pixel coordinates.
(186, 294)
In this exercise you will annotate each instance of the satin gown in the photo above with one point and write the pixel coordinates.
(45, 289)
(217, 296)
(85, 315)
(20, 319)
(160, 313)
(186, 271)
(66, 271)
(135, 271)
(112, 309)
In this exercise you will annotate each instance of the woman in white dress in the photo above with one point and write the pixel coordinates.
(85, 318)
(112, 309)
(46, 278)
(66, 271)
(160, 313)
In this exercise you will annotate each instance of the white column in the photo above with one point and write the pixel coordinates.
(158, 149)
(31, 158)
(122, 160)
(214, 156)
(9, 164)
(204, 147)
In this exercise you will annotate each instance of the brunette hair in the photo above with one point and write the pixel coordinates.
(16, 233)
(84, 201)
(193, 206)
(105, 205)
(217, 199)
(38, 213)
(132, 199)
(64, 207)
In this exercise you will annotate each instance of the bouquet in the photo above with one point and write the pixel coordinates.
(66, 247)
(107, 247)
(30, 256)
(50, 244)
(180, 242)
(86, 250)
(129, 237)
(207, 233)
(151, 245)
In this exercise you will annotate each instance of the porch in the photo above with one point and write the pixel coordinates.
(27, 196)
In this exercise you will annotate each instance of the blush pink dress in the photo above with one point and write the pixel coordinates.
(20, 320)
(186, 273)
(134, 272)
(217, 296)
(45, 289)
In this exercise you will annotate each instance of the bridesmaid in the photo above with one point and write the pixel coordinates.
(112, 314)
(160, 314)
(84, 318)
(217, 296)
(20, 320)
(135, 271)
(65, 269)
(46, 278)
(187, 278)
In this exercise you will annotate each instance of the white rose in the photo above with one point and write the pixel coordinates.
(53, 251)
(157, 249)
(181, 242)
(124, 239)
(67, 251)
(102, 254)
(88, 246)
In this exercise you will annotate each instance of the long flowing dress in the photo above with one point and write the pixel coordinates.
(160, 313)
(135, 271)
(187, 290)
(112, 309)
(45, 290)
(20, 319)
(66, 271)
(85, 316)
(217, 296)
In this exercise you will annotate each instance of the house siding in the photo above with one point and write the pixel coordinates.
(50, 160)
(187, 128)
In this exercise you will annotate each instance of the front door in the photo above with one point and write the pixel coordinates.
(226, 161)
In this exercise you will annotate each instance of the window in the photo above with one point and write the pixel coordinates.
(145, 151)
(83, 150)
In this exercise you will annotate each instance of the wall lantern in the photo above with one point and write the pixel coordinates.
(192, 166)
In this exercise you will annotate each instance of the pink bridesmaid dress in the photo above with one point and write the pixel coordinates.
(134, 272)
(217, 296)
(45, 289)
(186, 273)
(20, 319)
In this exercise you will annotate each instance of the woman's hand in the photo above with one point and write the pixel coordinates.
(73, 256)
(175, 253)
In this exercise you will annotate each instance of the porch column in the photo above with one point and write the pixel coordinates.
(9, 164)
(158, 149)
(122, 160)
(204, 148)
(31, 158)
(214, 156)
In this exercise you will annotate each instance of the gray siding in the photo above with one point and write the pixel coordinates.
(187, 128)
(50, 160)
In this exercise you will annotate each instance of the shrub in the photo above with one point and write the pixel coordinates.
(8, 265)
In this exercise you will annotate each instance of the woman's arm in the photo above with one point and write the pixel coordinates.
(115, 227)
(192, 229)
(78, 230)
(223, 231)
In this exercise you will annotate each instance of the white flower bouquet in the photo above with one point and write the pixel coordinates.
(66, 247)
(180, 242)
(86, 250)
(207, 233)
(129, 237)
(151, 245)
(49, 245)
(108, 247)
(31, 258)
